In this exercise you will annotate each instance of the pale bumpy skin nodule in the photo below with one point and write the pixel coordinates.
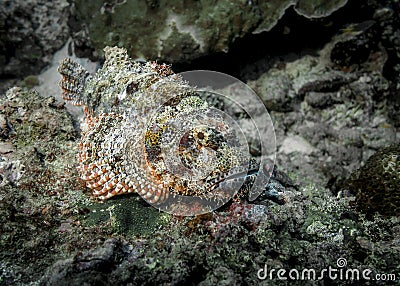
(133, 112)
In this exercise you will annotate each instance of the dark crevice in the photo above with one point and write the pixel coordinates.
(294, 36)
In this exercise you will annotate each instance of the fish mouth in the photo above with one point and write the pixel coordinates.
(239, 176)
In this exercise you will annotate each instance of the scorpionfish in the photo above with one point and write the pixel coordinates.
(148, 131)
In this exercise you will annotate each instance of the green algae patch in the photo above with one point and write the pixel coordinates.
(127, 215)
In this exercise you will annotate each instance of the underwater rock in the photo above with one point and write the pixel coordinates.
(91, 267)
(342, 114)
(313, 230)
(276, 91)
(31, 118)
(322, 99)
(10, 171)
(180, 31)
(37, 182)
(376, 185)
(357, 42)
(4, 127)
(42, 221)
(318, 9)
(389, 22)
(30, 31)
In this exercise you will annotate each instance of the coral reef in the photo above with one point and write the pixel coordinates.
(313, 101)
(49, 223)
(44, 210)
(181, 30)
(36, 168)
(30, 31)
(228, 247)
(332, 108)
(318, 9)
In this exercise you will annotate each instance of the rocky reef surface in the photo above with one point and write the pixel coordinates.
(54, 234)
(30, 32)
(335, 111)
(181, 30)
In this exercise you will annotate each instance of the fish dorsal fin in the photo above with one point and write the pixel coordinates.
(116, 57)
(74, 79)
